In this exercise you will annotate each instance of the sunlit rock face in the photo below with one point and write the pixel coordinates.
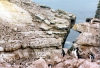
(13, 14)
(30, 31)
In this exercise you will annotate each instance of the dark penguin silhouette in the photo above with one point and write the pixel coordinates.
(88, 19)
(76, 52)
(91, 56)
(63, 53)
(50, 65)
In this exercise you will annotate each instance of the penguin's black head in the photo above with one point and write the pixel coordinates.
(88, 19)
(49, 65)
(91, 54)
(63, 53)
(77, 48)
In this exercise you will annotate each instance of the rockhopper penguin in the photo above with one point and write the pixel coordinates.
(50, 65)
(91, 56)
(63, 53)
(75, 52)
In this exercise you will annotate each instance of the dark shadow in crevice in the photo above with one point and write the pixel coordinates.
(64, 40)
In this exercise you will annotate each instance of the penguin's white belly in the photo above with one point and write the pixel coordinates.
(74, 53)
(50, 66)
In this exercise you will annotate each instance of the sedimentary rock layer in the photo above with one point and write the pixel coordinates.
(29, 30)
(89, 39)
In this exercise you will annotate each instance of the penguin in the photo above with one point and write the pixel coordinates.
(63, 53)
(76, 52)
(50, 65)
(88, 19)
(91, 56)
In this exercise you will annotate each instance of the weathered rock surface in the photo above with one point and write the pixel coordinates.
(31, 31)
(41, 63)
(89, 39)
(32, 36)
(88, 27)
(77, 63)
(87, 64)
(88, 43)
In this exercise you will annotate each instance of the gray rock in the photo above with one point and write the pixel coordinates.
(45, 27)
(47, 22)
(1, 49)
(61, 26)
(49, 32)
(40, 17)
(61, 12)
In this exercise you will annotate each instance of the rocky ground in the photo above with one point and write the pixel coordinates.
(32, 36)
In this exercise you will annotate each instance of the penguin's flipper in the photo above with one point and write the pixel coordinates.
(63, 53)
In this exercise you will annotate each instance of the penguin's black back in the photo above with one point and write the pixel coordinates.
(92, 57)
(63, 53)
(77, 51)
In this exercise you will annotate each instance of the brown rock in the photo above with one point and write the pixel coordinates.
(73, 63)
(60, 65)
(87, 64)
(6, 65)
(41, 63)
(88, 39)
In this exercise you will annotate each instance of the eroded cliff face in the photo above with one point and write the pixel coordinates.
(29, 31)
(32, 36)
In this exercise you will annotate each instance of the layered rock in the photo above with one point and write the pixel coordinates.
(41, 63)
(88, 44)
(77, 63)
(31, 31)
(89, 39)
